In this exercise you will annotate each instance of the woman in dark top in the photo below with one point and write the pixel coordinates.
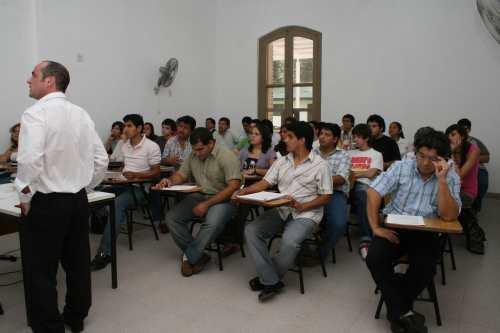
(258, 157)
(149, 131)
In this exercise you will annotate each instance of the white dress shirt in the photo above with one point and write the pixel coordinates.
(59, 149)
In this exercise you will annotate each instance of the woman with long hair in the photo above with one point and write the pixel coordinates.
(258, 157)
(466, 160)
(11, 152)
(396, 133)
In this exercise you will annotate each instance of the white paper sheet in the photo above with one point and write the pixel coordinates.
(409, 220)
(263, 196)
(180, 188)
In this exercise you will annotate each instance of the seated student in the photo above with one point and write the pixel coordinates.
(367, 163)
(149, 131)
(244, 139)
(257, 159)
(305, 177)
(117, 155)
(210, 125)
(114, 137)
(339, 162)
(347, 141)
(396, 133)
(280, 148)
(178, 148)
(425, 187)
(141, 161)
(216, 170)
(11, 153)
(275, 137)
(484, 158)
(168, 129)
(382, 143)
(466, 157)
(224, 136)
(316, 126)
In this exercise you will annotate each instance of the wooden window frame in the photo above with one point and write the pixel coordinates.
(288, 33)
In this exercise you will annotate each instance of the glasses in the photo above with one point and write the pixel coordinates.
(423, 157)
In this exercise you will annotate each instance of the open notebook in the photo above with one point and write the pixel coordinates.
(180, 188)
(263, 196)
(408, 220)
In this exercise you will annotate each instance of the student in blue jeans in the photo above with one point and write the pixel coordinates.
(141, 161)
(339, 163)
(367, 163)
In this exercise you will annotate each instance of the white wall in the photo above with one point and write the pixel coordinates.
(16, 58)
(123, 44)
(420, 62)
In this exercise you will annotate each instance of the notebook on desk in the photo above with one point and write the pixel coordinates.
(263, 196)
(408, 220)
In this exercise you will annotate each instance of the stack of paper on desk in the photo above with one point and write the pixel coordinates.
(408, 220)
(263, 196)
(180, 188)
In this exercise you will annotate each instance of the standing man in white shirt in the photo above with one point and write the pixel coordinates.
(60, 155)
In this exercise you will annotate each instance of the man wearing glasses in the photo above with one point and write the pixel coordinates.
(427, 187)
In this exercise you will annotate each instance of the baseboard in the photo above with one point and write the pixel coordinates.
(493, 195)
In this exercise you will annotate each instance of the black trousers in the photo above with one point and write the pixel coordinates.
(56, 231)
(399, 291)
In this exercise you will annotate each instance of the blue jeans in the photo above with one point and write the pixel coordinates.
(336, 221)
(360, 202)
(179, 220)
(261, 230)
(124, 200)
(482, 188)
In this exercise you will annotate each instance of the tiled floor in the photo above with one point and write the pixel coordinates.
(154, 297)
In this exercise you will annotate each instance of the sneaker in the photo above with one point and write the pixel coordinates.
(100, 261)
(363, 250)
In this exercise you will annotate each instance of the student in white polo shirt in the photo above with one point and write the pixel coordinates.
(141, 161)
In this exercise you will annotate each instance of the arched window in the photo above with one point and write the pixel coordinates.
(290, 75)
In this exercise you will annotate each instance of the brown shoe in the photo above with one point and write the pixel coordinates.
(200, 265)
(163, 228)
(186, 268)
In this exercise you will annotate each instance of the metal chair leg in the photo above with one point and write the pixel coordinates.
(130, 230)
(452, 253)
(219, 257)
(379, 307)
(433, 295)
(301, 275)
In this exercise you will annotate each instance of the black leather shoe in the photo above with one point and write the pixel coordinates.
(100, 261)
(255, 284)
(270, 291)
(409, 324)
(75, 325)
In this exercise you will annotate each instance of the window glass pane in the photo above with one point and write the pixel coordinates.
(302, 97)
(304, 116)
(276, 98)
(276, 62)
(302, 60)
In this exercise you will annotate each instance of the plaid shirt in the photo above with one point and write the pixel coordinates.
(411, 195)
(339, 162)
(305, 182)
(173, 148)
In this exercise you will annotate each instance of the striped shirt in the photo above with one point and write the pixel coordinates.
(339, 162)
(411, 195)
(174, 148)
(304, 182)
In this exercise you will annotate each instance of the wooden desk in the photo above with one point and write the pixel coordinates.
(11, 217)
(433, 225)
